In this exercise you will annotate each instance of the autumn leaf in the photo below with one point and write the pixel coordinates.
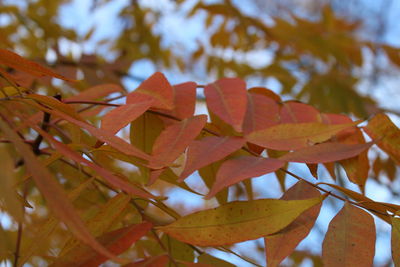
(395, 241)
(227, 99)
(157, 88)
(121, 116)
(95, 92)
(387, 134)
(106, 174)
(53, 193)
(350, 239)
(280, 245)
(117, 241)
(224, 225)
(184, 100)
(292, 136)
(174, 139)
(297, 112)
(262, 112)
(326, 152)
(15, 61)
(208, 150)
(238, 169)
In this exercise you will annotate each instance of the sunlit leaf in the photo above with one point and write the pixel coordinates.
(227, 99)
(350, 239)
(224, 224)
(291, 136)
(238, 169)
(208, 150)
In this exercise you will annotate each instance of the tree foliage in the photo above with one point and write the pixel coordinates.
(89, 164)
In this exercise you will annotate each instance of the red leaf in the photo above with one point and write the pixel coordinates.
(174, 140)
(158, 88)
(106, 174)
(297, 112)
(56, 198)
(262, 112)
(96, 92)
(15, 61)
(121, 116)
(118, 241)
(227, 99)
(326, 152)
(265, 92)
(350, 239)
(238, 169)
(184, 100)
(280, 245)
(208, 150)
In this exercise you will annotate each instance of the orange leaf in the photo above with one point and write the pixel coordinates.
(15, 61)
(291, 136)
(325, 152)
(117, 241)
(280, 245)
(350, 239)
(174, 140)
(156, 87)
(238, 169)
(106, 174)
(121, 116)
(227, 99)
(57, 199)
(297, 112)
(208, 150)
(96, 92)
(382, 129)
(262, 112)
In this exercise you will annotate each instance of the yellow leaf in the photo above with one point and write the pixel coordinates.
(226, 223)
